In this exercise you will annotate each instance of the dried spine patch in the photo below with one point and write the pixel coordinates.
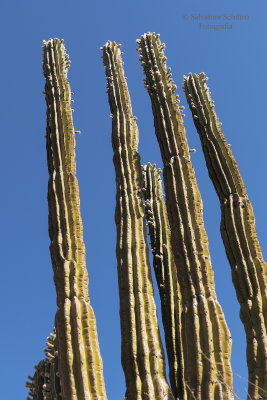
(205, 335)
(142, 354)
(166, 275)
(80, 364)
(249, 271)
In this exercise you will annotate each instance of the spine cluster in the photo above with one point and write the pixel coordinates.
(205, 335)
(249, 271)
(142, 353)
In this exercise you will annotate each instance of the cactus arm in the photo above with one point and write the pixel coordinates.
(166, 275)
(142, 353)
(207, 353)
(249, 271)
(80, 363)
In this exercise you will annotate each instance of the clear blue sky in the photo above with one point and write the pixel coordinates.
(235, 59)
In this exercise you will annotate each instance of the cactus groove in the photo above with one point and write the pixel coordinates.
(166, 275)
(80, 363)
(142, 353)
(207, 367)
(249, 271)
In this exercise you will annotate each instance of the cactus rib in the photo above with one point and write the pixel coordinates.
(166, 275)
(80, 363)
(249, 271)
(142, 353)
(207, 367)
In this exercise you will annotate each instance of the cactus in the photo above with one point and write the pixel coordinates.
(39, 385)
(80, 364)
(142, 353)
(45, 384)
(249, 271)
(207, 367)
(197, 338)
(166, 275)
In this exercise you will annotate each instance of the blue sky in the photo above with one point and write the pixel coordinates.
(234, 59)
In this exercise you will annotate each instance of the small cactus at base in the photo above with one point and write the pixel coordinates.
(45, 384)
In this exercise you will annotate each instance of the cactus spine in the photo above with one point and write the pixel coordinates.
(80, 364)
(249, 271)
(208, 372)
(142, 353)
(166, 275)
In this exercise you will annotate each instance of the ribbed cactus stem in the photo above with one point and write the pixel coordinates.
(249, 271)
(205, 335)
(45, 384)
(142, 353)
(80, 364)
(166, 275)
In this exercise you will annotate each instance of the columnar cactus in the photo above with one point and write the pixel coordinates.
(39, 384)
(249, 271)
(166, 275)
(45, 384)
(142, 353)
(80, 364)
(205, 335)
(198, 341)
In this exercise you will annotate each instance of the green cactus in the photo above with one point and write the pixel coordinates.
(207, 367)
(197, 338)
(80, 363)
(249, 271)
(45, 384)
(166, 275)
(142, 353)
(39, 384)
